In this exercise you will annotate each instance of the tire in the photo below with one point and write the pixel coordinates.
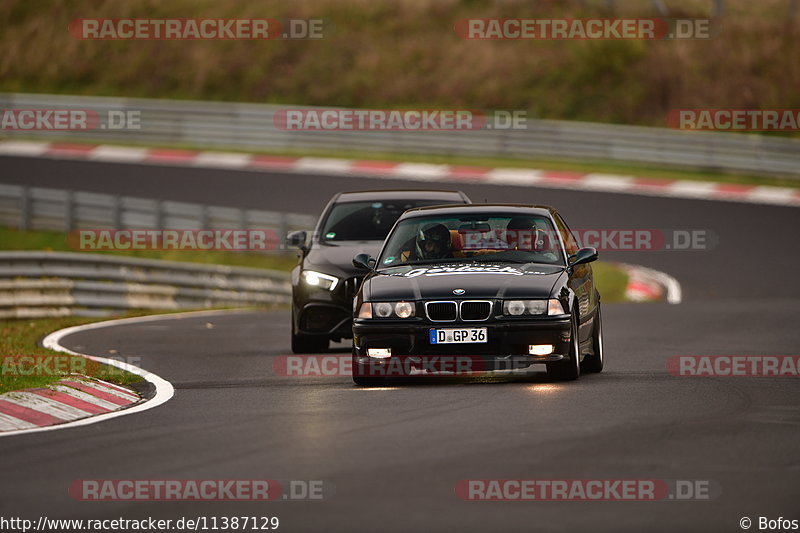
(302, 344)
(568, 369)
(594, 363)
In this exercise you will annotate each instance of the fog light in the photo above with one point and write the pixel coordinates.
(379, 353)
(541, 349)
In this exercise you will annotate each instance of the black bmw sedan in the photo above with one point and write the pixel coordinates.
(325, 281)
(491, 287)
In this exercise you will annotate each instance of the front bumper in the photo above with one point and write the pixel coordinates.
(411, 351)
(318, 312)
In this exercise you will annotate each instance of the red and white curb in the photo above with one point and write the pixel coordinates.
(411, 171)
(164, 390)
(648, 285)
(66, 400)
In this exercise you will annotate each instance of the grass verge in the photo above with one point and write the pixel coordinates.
(14, 239)
(610, 280)
(25, 364)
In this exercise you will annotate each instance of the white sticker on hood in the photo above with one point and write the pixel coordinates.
(467, 269)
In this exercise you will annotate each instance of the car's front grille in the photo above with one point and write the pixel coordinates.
(441, 311)
(321, 318)
(475, 310)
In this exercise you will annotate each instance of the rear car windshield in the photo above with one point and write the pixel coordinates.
(366, 221)
(473, 238)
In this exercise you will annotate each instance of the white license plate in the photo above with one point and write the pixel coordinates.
(457, 335)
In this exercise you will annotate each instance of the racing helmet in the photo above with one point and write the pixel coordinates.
(433, 242)
(522, 233)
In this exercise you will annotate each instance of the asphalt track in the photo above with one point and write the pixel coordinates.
(395, 455)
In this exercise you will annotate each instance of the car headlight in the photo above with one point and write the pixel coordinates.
(532, 307)
(386, 310)
(320, 280)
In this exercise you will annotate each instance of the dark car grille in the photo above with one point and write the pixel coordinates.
(441, 311)
(321, 318)
(467, 310)
(475, 310)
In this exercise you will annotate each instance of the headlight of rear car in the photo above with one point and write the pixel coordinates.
(532, 307)
(386, 310)
(320, 280)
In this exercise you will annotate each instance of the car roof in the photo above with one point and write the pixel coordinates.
(402, 194)
(470, 209)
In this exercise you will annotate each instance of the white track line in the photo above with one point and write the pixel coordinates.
(164, 389)
(23, 148)
(222, 160)
(419, 172)
(118, 154)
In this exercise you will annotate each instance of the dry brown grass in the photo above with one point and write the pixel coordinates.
(405, 53)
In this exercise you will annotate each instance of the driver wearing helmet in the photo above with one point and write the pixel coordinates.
(431, 242)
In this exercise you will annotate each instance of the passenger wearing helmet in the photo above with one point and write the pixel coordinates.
(522, 234)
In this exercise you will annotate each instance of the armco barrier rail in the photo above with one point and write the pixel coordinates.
(38, 208)
(250, 126)
(38, 284)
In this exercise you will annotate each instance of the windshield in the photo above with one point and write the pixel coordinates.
(476, 238)
(366, 221)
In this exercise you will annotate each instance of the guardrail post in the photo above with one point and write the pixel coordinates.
(69, 211)
(204, 217)
(25, 209)
(159, 214)
(283, 228)
(117, 213)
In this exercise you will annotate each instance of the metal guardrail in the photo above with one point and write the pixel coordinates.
(38, 284)
(39, 208)
(251, 126)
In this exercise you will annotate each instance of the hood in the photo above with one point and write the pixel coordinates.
(337, 259)
(491, 280)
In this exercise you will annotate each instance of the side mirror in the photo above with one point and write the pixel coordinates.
(583, 256)
(363, 261)
(297, 239)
